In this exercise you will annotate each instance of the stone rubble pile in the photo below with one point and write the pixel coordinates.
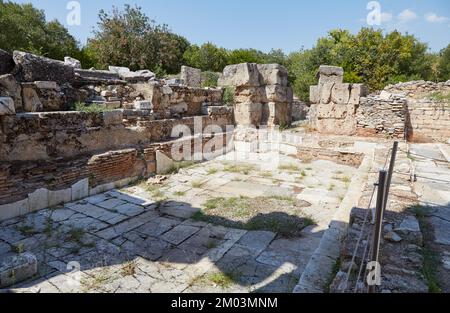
(417, 88)
(262, 95)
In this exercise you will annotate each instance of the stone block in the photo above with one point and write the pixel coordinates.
(30, 99)
(9, 87)
(328, 70)
(16, 269)
(250, 94)
(340, 93)
(119, 69)
(46, 85)
(330, 74)
(277, 113)
(334, 111)
(191, 77)
(357, 91)
(240, 75)
(59, 197)
(163, 163)
(278, 93)
(143, 105)
(325, 93)
(38, 200)
(136, 77)
(248, 114)
(112, 105)
(35, 68)
(97, 75)
(7, 106)
(6, 62)
(72, 62)
(15, 209)
(80, 189)
(112, 117)
(314, 95)
(273, 74)
(179, 108)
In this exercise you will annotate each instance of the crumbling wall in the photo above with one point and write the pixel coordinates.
(417, 111)
(262, 95)
(382, 115)
(43, 136)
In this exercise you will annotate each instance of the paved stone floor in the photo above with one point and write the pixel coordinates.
(140, 239)
(432, 167)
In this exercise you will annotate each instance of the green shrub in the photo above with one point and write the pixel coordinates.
(228, 95)
(89, 108)
(209, 79)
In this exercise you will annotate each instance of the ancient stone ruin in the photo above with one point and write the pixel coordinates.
(403, 111)
(89, 171)
(262, 94)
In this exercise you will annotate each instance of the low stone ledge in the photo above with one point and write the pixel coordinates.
(16, 269)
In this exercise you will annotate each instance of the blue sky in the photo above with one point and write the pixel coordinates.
(266, 24)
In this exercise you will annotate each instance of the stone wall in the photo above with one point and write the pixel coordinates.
(43, 136)
(428, 121)
(262, 95)
(29, 186)
(382, 115)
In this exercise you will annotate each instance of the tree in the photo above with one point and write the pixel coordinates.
(207, 57)
(369, 57)
(443, 66)
(23, 27)
(245, 56)
(129, 38)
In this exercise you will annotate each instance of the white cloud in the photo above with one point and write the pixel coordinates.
(434, 18)
(407, 16)
(386, 17)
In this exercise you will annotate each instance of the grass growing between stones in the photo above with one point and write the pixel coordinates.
(280, 214)
(155, 191)
(223, 280)
(197, 184)
(27, 230)
(95, 282)
(92, 108)
(289, 167)
(431, 258)
(177, 166)
(239, 168)
(335, 270)
(212, 171)
(128, 269)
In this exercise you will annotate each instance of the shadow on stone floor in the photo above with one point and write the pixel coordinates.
(163, 236)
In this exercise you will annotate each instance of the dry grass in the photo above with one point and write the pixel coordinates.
(279, 214)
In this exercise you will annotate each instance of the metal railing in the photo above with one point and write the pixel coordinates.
(371, 255)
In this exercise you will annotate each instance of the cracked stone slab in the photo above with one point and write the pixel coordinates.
(158, 226)
(85, 222)
(111, 203)
(129, 209)
(115, 231)
(257, 240)
(179, 234)
(181, 210)
(150, 248)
